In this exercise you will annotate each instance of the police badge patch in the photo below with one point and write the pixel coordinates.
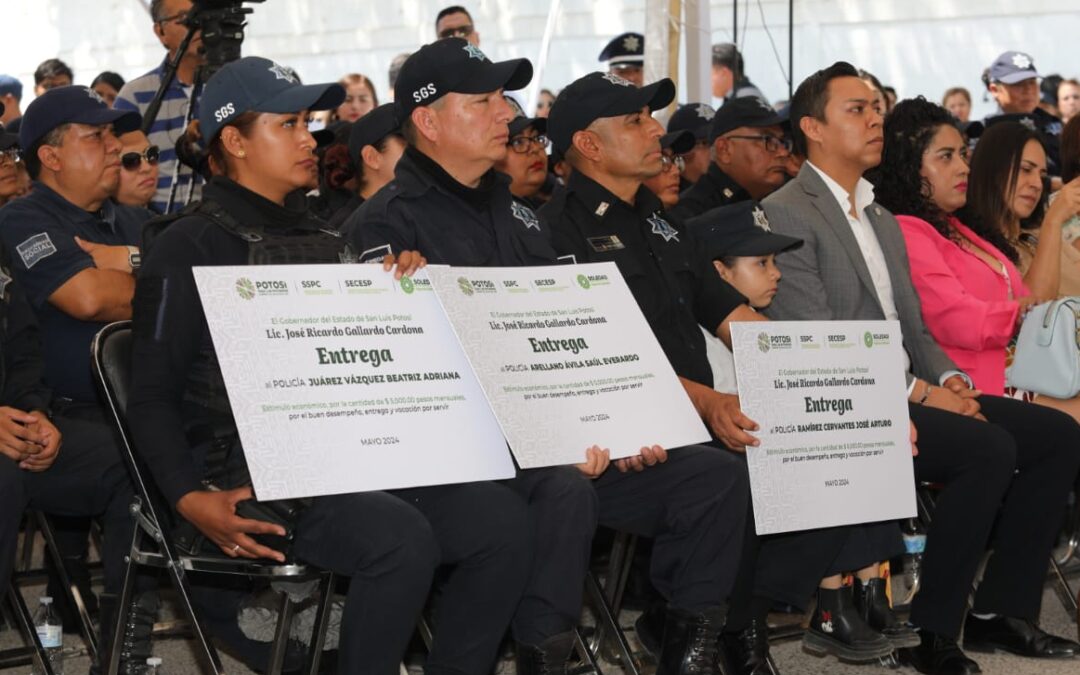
(663, 228)
(525, 215)
(35, 249)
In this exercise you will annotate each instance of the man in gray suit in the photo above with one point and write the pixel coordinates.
(853, 266)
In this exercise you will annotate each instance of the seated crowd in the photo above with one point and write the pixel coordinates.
(841, 204)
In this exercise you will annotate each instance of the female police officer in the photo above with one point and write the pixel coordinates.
(253, 114)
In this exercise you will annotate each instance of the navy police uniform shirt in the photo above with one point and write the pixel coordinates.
(424, 209)
(39, 231)
(675, 288)
(714, 189)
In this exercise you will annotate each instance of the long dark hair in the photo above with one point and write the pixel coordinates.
(995, 167)
(898, 182)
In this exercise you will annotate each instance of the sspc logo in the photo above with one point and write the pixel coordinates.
(245, 288)
(222, 113)
(425, 92)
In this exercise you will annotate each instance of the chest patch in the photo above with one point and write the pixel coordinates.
(525, 215)
(5, 279)
(605, 244)
(662, 228)
(35, 249)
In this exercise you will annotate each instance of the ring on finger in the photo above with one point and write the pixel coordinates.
(236, 549)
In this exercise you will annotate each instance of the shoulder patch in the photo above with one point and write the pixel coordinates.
(35, 249)
(525, 215)
(376, 255)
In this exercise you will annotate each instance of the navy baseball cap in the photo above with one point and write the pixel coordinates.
(521, 121)
(627, 49)
(598, 95)
(255, 84)
(10, 85)
(680, 142)
(744, 111)
(73, 104)
(453, 65)
(739, 229)
(1012, 67)
(372, 128)
(694, 117)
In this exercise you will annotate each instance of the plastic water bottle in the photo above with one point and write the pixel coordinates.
(153, 666)
(51, 634)
(914, 547)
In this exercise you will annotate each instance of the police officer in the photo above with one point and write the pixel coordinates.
(74, 252)
(625, 57)
(449, 204)
(750, 153)
(674, 145)
(526, 160)
(695, 118)
(375, 146)
(9, 164)
(389, 543)
(729, 78)
(603, 126)
(1014, 83)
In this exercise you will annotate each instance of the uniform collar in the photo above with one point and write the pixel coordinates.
(254, 210)
(725, 185)
(600, 201)
(416, 173)
(106, 215)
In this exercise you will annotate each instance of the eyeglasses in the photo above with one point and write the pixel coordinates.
(772, 143)
(668, 161)
(457, 31)
(178, 19)
(133, 160)
(523, 144)
(9, 156)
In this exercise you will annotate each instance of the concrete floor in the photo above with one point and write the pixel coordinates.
(179, 656)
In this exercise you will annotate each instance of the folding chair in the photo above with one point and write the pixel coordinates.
(152, 546)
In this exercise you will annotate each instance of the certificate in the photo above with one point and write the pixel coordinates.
(342, 379)
(831, 403)
(567, 361)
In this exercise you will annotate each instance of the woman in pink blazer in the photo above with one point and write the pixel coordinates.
(973, 296)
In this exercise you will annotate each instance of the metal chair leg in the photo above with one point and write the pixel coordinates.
(29, 534)
(586, 654)
(1068, 597)
(206, 649)
(605, 617)
(26, 627)
(281, 635)
(322, 619)
(86, 624)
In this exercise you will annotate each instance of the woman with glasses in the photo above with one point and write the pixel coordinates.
(138, 170)
(526, 160)
(665, 184)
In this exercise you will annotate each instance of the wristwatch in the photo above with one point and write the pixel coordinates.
(134, 258)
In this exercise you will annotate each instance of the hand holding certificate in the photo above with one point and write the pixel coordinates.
(830, 400)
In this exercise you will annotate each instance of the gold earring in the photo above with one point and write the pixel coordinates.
(241, 154)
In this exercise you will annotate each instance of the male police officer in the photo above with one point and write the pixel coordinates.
(625, 56)
(1014, 83)
(750, 151)
(447, 203)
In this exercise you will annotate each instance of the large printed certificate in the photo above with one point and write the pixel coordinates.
(342, 379)
(567, 361)
(830, 398)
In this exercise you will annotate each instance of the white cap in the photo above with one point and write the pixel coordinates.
(45, 600)
(153, 661)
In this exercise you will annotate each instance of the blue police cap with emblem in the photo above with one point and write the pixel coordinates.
(626, 49)
(693, 117)
(740, 229)
(72, 105)
(255, 84)
(1012, 67)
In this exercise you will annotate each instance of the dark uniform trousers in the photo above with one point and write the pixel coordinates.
(390, 543)
(694, 506)
(88, 479)
(974, 462)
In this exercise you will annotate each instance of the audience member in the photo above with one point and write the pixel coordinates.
(696, 118)
(665, 185)
(526, 159)
(11, 99)
(1048, 88)
(750, 155)
(360, 98)
(374, 145)
(1068, 99)
(852, 267)
(395, 70)
(890, 98)
(108, 85)
(625, 57)
(880, 100)
(177, 184)
(1014, 84)
(50, 74)
(9, 166)
(139, 170)
(729, 74)
(957, 100)
(543, 103)
(455, 21)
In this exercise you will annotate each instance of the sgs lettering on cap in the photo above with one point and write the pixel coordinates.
(424, 92)
(223, 112)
